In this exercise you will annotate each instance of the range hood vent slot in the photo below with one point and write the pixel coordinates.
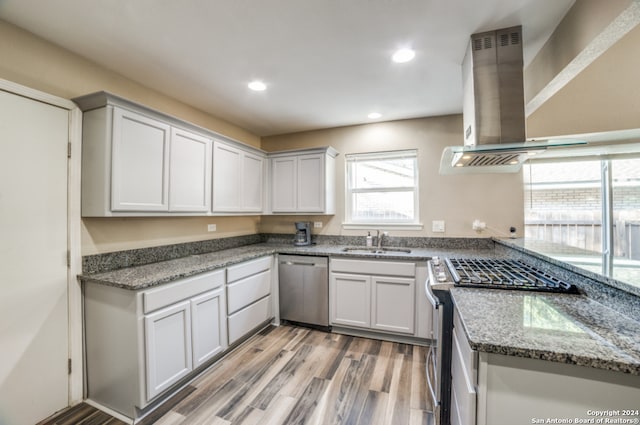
(493, 159)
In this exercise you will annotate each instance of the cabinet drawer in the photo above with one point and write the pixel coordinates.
(248, 318)
(385, 268)
(469, 356)
(463, 391)
(244, 292)
(182, 289)
(240, 271)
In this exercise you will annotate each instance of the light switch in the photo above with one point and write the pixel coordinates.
(437, 226)
(317, 224)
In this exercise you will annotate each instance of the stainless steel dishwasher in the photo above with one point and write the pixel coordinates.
(304, 289)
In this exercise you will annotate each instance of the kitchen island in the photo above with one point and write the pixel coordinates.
(521, 357)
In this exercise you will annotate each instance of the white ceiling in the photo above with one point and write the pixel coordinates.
(326, 62)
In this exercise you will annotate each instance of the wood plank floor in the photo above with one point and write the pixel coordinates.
(295, 375)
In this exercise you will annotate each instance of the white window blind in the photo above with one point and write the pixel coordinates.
(382, 188)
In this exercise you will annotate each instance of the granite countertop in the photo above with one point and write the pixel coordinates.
(563, 328)
(148, 275)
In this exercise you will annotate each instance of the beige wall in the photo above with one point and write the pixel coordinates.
(110, 234)
(36, 63)
(496, 199)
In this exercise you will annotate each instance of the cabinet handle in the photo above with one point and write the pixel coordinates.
(291, 263)
(430, 384)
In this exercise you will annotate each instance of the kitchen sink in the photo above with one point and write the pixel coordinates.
(384, 250)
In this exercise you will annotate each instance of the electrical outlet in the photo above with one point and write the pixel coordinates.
(437, 226)
(317, 224)
(211, 227)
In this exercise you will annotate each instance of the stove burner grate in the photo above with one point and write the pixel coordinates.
(504, 274)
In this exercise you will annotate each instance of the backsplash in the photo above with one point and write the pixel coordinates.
(396, 241)
(100, 263)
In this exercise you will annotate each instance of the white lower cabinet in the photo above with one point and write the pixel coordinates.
(139, 344)
(378, 295)
(495, 389)
(248, 296)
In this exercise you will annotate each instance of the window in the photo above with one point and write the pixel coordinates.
(382, 188)
(589, 210)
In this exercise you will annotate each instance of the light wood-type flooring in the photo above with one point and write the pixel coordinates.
(296, 375)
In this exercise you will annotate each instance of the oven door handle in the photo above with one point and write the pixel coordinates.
(430, 384)
(433, 300)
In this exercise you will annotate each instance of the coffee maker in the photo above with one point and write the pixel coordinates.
(303, 234)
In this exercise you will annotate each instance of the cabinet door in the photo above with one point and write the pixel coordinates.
(140, 163)
(350, 300)
(393, 300)
(227, 168)
(168, 347)
(208, 326)
(284, 183)
(252, 182)
(310, 190)
(190, 172)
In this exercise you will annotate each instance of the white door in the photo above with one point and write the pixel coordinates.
(284, 183)
(227, 161)
(140, 171)
(190, 172)
(351, 300)
(34, 345)
(208, 326)
(393, 301)
(252, 181)
(311, 183)
(168, 347)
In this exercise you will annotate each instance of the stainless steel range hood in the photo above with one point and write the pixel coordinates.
(493, 108)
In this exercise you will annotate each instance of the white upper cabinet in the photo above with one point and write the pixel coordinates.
(303, 181)
(141, 162)
(238, 179)
(189, 172)
(139, 180)
(143, 165)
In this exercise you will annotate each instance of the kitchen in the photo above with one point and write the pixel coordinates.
(36, 63)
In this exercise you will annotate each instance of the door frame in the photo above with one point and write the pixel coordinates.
(74, 288)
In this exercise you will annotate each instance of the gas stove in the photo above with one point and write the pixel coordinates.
(504, 274)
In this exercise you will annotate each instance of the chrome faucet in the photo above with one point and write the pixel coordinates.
(379, 237)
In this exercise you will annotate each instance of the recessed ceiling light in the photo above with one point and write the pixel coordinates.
(257, 86)
(403, 55)
(374, 115)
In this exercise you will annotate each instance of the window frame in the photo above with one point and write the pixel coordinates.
(606, 188)
(350, 192)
